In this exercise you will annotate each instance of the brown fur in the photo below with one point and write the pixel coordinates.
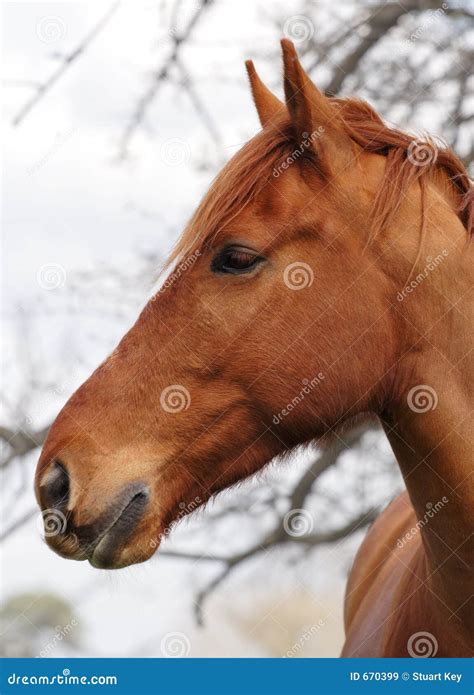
(250, 170)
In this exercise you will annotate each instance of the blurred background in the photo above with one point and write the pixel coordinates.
(117, 116)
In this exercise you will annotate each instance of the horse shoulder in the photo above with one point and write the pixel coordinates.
(375, 576)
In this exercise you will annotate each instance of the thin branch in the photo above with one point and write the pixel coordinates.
(271, 541)
(64, 65)
(21, 442)
(158, 78)
(279, 534)
(314, 539)
(199, 105)
(382, 19)
(328, 457)
(379, 24)
(17, 524)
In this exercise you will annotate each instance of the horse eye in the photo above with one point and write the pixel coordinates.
(235, 260)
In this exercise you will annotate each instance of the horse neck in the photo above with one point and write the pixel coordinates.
(437, 464)
(432, 433)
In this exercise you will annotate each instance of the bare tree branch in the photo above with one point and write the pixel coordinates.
(18, 523)
(271, 541)
(158, 78)
(198, 104)
(64, 65)
(21, 442)
(280, 533)
(379, 23)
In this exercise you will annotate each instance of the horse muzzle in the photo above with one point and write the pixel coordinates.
(103, 541)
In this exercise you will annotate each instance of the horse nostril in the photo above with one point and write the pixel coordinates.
(54, 486)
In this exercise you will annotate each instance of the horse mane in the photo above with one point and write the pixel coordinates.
(246, 174)
(408, 160)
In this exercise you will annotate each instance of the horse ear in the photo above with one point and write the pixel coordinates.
(314, 118)
(268, 105)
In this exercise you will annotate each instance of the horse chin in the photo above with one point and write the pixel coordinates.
(107, 556)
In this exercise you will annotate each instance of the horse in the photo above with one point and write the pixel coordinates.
(331, 246)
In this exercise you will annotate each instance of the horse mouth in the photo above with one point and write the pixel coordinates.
(105, 552)
(104, 542)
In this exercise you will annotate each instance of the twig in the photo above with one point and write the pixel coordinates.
(21, 442)
(280, 535)
(379, 24)
(199, 106)
(158, 79)
(17, 524)
(65, 64)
